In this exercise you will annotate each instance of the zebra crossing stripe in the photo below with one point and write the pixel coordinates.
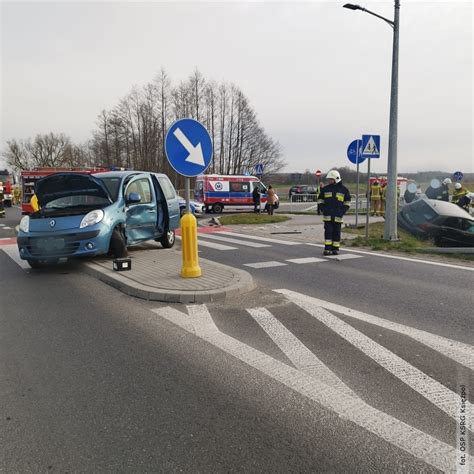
(270, 264)
(232, 241)
(440, 396)
(421, 445)
(259, 238)
(212, 245)
(306, 260)
(296, 351)
(458, 351)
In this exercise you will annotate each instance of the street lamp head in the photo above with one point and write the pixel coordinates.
(351, 6)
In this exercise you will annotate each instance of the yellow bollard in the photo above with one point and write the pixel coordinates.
(189, 244)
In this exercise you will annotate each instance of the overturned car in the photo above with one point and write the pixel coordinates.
(447, 224)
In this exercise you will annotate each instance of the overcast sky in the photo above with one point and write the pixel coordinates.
(317, 74)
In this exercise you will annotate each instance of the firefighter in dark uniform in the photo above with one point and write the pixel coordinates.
(334, 200)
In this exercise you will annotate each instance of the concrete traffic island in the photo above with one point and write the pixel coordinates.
(155, 275)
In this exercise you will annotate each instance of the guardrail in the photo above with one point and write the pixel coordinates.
(307, 203)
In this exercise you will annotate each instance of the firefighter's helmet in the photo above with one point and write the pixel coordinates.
(334, 174)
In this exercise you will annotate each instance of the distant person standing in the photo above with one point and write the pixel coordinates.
(466, 201)
(376, 197)
(445, 190)
(334, 201)
(271, 199)
(256, 198)
(459, 192)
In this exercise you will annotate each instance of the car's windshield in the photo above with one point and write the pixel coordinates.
(112, 185)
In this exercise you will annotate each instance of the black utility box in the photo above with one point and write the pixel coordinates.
(122, 264)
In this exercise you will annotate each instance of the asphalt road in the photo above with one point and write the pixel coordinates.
(95, 381)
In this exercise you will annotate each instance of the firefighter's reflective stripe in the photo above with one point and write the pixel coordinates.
(328, 242)
(327, 195)
(339, 220)
(327, 219)
(340, 197)
(336, 244)
(347, 203)
(320, 201)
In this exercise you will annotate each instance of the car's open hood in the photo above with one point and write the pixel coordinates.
(60, 185)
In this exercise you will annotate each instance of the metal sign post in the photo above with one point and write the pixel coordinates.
(188, 147)
(368, 201)
(354, 153)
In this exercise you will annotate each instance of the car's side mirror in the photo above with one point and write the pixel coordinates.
(133, 198)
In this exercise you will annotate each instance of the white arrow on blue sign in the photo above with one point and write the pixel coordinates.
(371, 146)
(259, 169)
(458, 175)
(188, 147)
(354, 152)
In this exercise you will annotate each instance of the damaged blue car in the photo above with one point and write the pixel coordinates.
(83, 215)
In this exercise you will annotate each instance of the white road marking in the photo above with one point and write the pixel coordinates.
(212, 245)
(396, 257)
(344, 256)
(12, 252)
(296, 351)
(263, 239)
(306, 260)
(433, 391)
(458, 351)
(232, 241)
(265, 264)
(2, 225)
(419, 444)
(6, 227)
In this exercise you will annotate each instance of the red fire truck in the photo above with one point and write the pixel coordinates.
(29, 178)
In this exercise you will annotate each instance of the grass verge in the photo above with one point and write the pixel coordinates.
(407, 242)
(251, 219)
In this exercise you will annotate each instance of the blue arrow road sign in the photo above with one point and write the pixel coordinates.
(354, 152)
(188, 147)
(458, 175)
(259, 169)
(371, 146)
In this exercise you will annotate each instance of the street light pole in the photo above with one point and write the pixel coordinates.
(390, 228)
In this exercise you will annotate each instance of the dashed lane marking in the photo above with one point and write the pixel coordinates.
(306, 260)
(344, 256)
(263, 239)
(396, 257)
(265, 264)
(433, 391)
(12, 251)
(232, 241)
(296, 351)
(419, 444)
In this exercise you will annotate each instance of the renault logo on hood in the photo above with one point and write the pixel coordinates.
(52, 223)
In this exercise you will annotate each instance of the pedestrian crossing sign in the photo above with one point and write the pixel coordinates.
(370, 146)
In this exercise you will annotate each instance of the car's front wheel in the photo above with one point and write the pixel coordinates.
(118, 245)
(168, 239)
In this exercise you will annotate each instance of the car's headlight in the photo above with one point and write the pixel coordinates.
(25, 224)
(94, 217)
